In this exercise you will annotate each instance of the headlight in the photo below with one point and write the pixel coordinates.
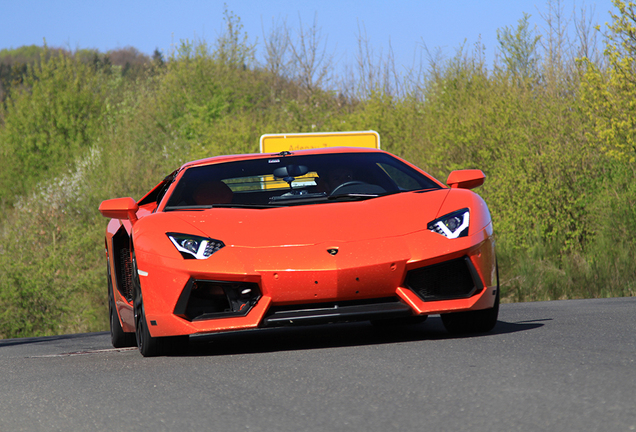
(192, 246)
(452, 225)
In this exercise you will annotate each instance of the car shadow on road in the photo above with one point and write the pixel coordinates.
(48, 339)
(333, 336)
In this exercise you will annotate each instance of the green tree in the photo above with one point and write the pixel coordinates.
(609, 96)
(47, 123)
(519, 49)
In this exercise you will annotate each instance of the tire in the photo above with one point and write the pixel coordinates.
(479, 321)
(118, 337)
(148, 345)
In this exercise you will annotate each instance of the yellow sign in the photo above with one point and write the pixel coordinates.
(276, 143)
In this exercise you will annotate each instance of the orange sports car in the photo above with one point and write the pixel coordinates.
(295, 238)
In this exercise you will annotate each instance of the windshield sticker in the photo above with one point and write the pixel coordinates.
(273, 161)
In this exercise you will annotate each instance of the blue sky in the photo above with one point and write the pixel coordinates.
(146, 24)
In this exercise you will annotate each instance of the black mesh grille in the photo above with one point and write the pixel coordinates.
(123, 263)
(448, 280)
(126, 273)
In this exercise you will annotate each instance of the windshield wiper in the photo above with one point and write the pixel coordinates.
(211, 206)
(187, 207)
(256, 206)
(355, 196)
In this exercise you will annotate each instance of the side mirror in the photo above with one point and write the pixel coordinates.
(466, 179)
(120, 208)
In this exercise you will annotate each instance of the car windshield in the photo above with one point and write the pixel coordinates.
(295, 180)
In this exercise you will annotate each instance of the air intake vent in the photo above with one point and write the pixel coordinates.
(123, 263)
(448, 280)
(202, 299)
(125, 267)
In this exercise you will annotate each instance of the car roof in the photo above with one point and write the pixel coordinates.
(252, 156)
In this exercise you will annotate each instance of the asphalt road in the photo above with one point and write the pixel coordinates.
(547, 366)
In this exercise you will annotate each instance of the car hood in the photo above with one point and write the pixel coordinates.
(389, 216)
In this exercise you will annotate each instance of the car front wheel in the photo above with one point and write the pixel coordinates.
(148, 345)
(479, 321)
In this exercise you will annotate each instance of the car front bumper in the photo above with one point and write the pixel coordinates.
(417, 274)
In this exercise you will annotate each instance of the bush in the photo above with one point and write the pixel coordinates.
(560, 175)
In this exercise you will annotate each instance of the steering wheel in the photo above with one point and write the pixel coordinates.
(346, 184)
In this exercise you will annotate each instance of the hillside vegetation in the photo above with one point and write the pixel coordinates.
(551, 122)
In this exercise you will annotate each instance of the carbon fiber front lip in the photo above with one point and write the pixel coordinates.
(317, 314)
